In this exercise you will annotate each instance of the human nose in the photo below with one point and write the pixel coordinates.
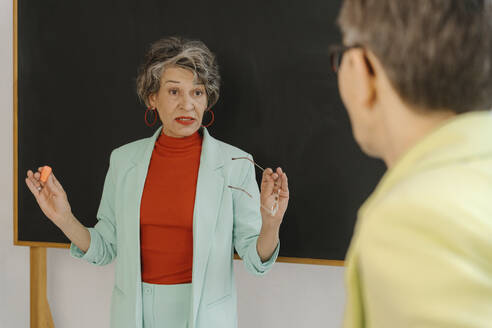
(187, 102)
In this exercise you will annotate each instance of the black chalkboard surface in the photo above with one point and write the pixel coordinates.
(77, 62)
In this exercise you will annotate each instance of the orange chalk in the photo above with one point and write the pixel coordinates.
(45, 173)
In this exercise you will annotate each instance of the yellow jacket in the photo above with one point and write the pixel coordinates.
(421, 255)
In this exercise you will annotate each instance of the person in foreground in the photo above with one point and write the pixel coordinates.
(175, 205)
(416, 79)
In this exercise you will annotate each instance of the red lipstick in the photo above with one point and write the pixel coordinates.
(185, 120)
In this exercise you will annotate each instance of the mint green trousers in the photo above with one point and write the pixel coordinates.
(166, 306)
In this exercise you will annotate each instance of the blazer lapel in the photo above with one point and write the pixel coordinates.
(208, 198)
(135, 182)
(136, 178)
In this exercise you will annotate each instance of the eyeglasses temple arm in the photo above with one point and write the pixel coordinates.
(240, 189)
(249, 159)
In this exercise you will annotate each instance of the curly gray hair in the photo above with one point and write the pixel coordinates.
(437, 53)
(192, 55)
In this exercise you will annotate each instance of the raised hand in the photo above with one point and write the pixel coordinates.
(50, 196)
(274, 196)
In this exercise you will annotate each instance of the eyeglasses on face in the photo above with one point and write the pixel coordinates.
(336, 55)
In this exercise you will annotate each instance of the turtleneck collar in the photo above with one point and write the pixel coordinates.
(166, 145)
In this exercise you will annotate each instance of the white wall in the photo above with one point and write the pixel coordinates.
(290, 296)
(14, 269)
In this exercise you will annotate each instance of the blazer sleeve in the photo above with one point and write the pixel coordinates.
(247, 224)
(102, 249)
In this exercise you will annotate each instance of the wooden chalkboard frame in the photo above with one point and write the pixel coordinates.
(16, 186)
(17, 242)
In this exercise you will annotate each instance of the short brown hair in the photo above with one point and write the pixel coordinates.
(192, 55)
(436, 53)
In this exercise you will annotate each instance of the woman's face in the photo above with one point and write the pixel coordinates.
(180, 102)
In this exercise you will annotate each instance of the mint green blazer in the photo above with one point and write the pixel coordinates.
(223, 219)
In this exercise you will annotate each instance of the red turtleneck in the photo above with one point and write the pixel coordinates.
(166, 211)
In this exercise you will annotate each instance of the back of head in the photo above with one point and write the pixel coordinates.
(436, 53)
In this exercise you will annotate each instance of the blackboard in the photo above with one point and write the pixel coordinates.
(75, 68)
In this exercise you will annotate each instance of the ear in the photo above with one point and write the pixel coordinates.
(153, 100)
(364, 70)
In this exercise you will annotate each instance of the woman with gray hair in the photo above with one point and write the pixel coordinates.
(176, 204)
(416, 80)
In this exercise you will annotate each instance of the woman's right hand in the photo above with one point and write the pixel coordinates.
(50, 196)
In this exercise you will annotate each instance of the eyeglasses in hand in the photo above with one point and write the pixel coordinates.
(273, 210)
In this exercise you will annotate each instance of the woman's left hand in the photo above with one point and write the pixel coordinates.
(274, 196)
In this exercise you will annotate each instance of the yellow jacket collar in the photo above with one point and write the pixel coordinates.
(461, 138)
